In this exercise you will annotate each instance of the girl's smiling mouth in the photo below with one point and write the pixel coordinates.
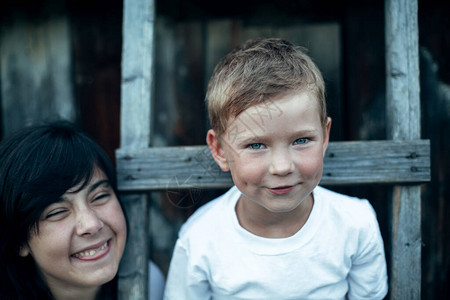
(94, 253)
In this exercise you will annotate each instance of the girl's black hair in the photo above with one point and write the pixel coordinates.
(38, 164)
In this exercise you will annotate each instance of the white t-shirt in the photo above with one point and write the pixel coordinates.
(337, 253)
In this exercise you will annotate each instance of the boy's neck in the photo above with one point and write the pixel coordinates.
(262, 222)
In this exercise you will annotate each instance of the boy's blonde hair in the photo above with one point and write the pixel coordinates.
(256, 72)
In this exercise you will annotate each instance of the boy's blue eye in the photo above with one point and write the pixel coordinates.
(256, 146)
(300, 141)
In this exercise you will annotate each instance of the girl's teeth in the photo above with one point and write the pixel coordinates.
(90, 252)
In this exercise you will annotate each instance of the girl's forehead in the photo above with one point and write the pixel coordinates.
(96, 175)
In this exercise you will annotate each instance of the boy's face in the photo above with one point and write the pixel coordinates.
(274, 151)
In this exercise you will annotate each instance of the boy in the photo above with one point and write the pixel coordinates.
(276, 234)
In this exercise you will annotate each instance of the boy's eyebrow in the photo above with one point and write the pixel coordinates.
(305, 131)
(254, 137)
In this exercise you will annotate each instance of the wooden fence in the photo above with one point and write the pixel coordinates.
(403, 160)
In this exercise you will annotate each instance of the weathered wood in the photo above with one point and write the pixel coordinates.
(402, 68)
(406, 243)
(137, 65)
(133, 270)
(136, 89)
(35, 70)
(345, 163)
(403, 120)
(165, 69)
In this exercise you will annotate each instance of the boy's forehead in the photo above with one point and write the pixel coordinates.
(271, 107)
(253, 121)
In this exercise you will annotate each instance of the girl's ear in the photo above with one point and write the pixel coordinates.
(24, 251)
(217, 151)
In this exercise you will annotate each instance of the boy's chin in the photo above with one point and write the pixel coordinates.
(281, 210)
(284, 206)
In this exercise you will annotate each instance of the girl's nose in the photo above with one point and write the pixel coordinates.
(281, 163)
(88, 223)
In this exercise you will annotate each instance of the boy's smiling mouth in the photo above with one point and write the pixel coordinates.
(281, 190)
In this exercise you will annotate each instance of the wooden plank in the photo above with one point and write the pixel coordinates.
(403, 123)
(406, 243)
(133, 270)
(136, 89)
(137, 67)
(402, 67)
(344, 163)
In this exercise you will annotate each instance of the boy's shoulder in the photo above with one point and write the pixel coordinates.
(352, 210)
(211, 215)
(343, 199)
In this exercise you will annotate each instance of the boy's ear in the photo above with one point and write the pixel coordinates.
(24, 251)
(326, 135)
(217, 151)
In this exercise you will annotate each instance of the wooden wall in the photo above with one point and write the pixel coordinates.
(435, 99)
(96, 38)
(346, 38)
(35, 65)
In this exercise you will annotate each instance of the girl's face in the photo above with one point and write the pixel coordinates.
(81, 238)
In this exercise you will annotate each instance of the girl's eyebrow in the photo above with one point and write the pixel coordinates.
(90, 189)
(97, 184)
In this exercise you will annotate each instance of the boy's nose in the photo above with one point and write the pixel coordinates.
(281, 164)
(88, 222)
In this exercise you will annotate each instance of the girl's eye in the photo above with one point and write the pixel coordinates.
(300, 141)
(101, 198)
(56, 213)
(256, 146)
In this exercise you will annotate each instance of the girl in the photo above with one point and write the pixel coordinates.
(62, 227)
